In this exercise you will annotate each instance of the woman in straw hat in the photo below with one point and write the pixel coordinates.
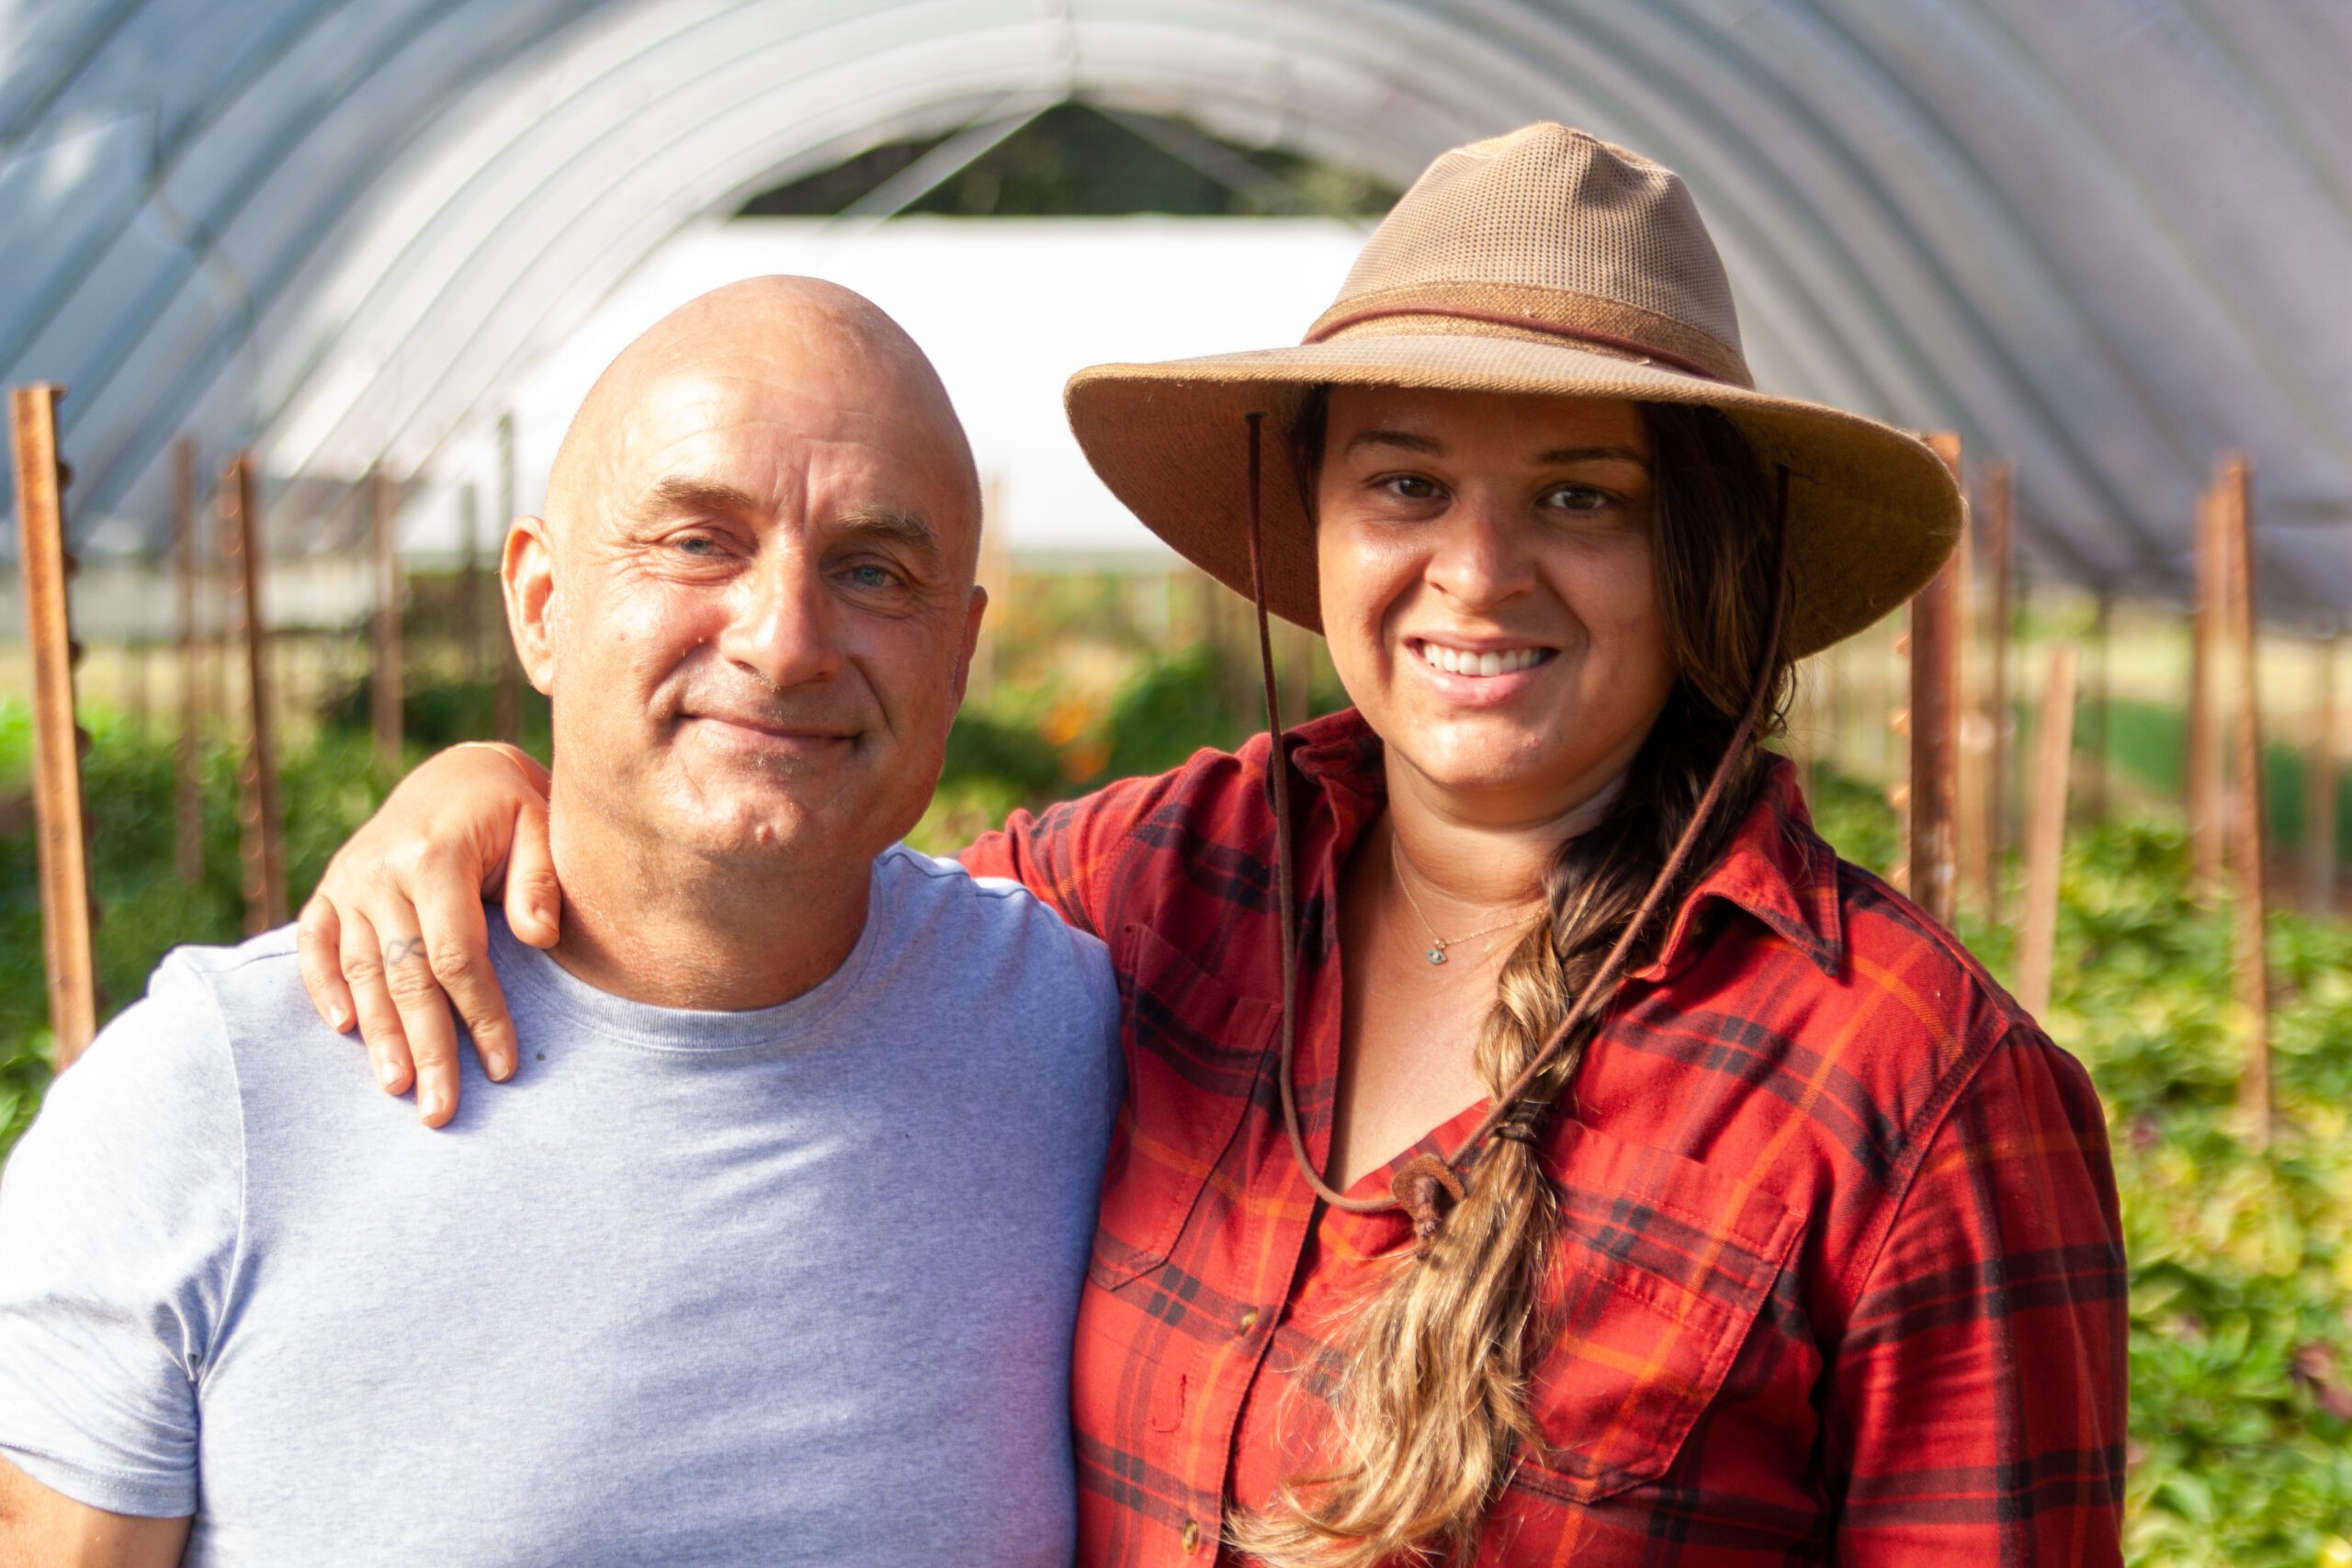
(1539, 1146)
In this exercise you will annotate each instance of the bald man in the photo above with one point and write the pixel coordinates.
(778, 1261)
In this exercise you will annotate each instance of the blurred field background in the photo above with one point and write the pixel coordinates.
(382, 245)
(2241, 1273)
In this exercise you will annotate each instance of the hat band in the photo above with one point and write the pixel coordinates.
(1332, 328)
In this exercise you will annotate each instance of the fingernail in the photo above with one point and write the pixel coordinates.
(501, 1068)
(388, 1073)
(430, 1104)
(339, 1019)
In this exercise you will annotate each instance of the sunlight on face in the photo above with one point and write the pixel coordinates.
(760, 617)
(1486, 590)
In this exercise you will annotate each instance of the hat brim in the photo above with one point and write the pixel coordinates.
(1872, 512)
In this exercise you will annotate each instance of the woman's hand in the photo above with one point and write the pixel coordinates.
(395, 936)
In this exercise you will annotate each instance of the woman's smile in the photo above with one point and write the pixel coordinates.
(1479, 672)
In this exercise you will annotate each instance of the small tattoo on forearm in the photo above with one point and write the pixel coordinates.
(403, 948)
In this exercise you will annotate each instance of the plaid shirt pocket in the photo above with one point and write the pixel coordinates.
(1658, 1274)
(1195, 1050)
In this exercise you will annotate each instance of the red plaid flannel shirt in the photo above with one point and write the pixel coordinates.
(1839, 1273)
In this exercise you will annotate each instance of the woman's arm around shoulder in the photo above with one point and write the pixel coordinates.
(395, 938)
(1075, 854)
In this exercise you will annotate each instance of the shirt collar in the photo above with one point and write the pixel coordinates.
(1776, 869)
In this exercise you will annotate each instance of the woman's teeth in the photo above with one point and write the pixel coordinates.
(1461, 661)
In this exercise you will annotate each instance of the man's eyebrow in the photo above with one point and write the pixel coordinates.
(676, 494)
(1594, 454)
(898, 525)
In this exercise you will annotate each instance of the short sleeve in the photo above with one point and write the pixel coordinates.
(121, 1210)
(1979, 1383)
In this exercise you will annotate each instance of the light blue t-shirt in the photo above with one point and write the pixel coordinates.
(786, 1286)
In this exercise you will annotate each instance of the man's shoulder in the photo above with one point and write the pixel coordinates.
(248, 992)
(919, 888)
(968, 928)
(200, 1034)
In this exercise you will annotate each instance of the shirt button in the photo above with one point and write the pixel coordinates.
(1189, 1538)
(1249, 1319)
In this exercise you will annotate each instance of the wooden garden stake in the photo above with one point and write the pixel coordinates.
(2000, 534)
(1935, 649)
(2203, 763)
(2045, 837)
(506, 715)
(385, 682)
(2102, 631)
(2319, 785)
(60, 834)
(2233, 526)
(1970, 846)
(263, 849)
(188, 797)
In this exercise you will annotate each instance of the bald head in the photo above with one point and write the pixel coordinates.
(792, 343)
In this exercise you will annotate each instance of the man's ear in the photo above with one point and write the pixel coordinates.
(526, 573)
(973, 613)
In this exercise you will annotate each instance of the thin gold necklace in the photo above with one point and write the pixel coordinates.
(1438, 944)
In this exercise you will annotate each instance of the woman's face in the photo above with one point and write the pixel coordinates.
(1486, 590)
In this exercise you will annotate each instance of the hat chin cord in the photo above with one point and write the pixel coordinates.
(1518, 1113)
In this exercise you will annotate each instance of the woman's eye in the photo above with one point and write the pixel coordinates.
(1579, 498)
(1408, 487)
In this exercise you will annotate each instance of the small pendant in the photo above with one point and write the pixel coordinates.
(1435, 955)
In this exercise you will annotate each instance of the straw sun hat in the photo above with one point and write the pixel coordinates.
(1544, 261)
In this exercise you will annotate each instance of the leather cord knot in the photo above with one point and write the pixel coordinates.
(1522, 1123)
(1417, 1186)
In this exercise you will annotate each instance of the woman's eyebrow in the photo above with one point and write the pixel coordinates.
(1404, 438)
(1594, 454)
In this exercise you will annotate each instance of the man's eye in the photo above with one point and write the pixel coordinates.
(872, 577)
(696, 545)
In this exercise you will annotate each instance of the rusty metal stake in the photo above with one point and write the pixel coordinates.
(2053, 745)
(2000, 542)
(1935, 679)
(385, 684)
(2203, 764)
(66, 915)
(2233, 525)
(264, 848)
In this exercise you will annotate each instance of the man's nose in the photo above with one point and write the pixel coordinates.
(783, 627)
(1480, 557)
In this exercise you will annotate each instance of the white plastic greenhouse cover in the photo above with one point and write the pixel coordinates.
(2105, 238)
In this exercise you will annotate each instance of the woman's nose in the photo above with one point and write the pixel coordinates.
(1480, 559)
(783, 628)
